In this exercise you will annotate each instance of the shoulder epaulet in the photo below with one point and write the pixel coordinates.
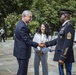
(69, 23)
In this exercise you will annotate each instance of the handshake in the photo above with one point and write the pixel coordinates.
(41, 45)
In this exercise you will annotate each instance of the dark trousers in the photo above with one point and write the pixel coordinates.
(3, 38)
(23, 66)
(65, 69)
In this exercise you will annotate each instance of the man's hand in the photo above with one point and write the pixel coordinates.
(61, 62)
(41, 45)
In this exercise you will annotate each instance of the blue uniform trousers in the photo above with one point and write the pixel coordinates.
(65, 69)
(23, 66)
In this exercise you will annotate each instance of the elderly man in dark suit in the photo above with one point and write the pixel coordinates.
(23, 42)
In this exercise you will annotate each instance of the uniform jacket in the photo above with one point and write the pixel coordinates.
(22, 41)
(64, 43)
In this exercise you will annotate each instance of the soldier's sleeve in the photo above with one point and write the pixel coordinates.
(68, 43)
(51, 43)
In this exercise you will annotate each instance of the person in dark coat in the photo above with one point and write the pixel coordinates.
(23, 43)
(64, 54)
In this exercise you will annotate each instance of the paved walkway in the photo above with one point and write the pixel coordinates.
(8, 63)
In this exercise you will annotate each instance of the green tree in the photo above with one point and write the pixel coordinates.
(10, 6)
(33, 26)
(10, 23)
(43, 11)
(47, 11)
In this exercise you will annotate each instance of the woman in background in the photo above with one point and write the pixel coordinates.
(42, 35)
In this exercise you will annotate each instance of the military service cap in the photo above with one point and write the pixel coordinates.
(65, 11)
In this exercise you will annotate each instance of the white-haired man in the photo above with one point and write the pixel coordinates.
(22, 43)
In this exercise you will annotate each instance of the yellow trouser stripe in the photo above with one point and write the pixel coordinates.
(64, 68)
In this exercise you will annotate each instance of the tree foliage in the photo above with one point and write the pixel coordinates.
(10, 23)
(43, 11)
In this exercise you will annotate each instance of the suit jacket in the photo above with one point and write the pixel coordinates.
(22, 41)
(64, 44)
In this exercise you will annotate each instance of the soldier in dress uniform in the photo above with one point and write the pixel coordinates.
(64, 44)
